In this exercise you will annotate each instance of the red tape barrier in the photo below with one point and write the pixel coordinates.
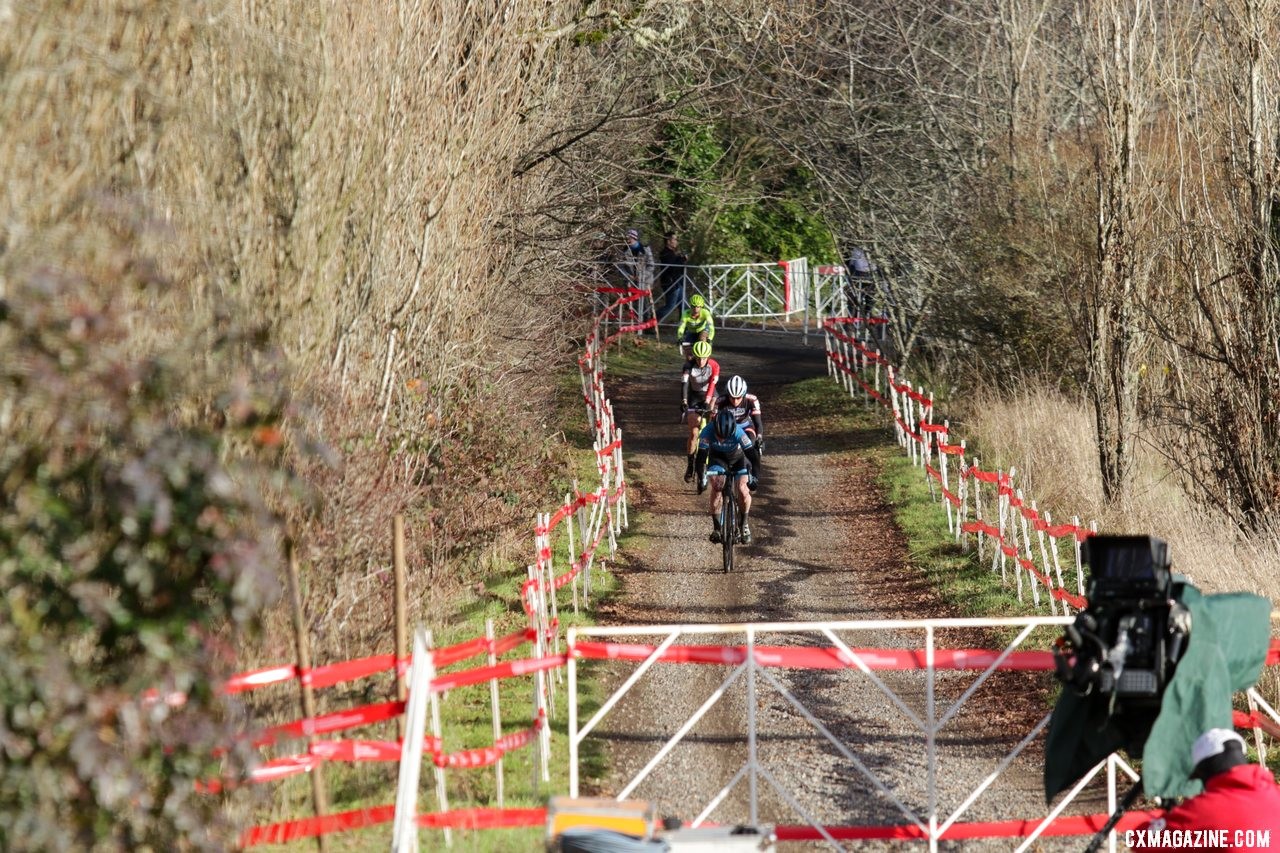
(478, 818)
(486, 756)
(636, 327)
(1003, 482)
(336, 673)
(376, 750)
(818, 658)
(327, 723)
(475, 818)
(629, 291)
(1078, 825)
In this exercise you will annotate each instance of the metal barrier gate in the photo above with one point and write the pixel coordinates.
(753, 662)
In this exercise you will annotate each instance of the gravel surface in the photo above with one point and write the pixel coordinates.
(826, 548)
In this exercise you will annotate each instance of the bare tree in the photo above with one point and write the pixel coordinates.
(1217, 315)
(1116, 35)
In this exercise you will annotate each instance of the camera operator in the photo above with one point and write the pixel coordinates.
(1239, 808)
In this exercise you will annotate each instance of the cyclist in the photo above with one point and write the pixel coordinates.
(746, 411)
(698, 392)
(723, 450)
(695, 324)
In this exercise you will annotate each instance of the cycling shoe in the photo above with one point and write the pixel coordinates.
(744, 535)
(716, 537)
(688, 476)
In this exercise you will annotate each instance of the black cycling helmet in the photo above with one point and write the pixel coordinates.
(725, 423)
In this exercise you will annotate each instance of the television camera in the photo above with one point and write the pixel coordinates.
(1125, 645)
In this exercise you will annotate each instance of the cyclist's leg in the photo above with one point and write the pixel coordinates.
(690, 445)
(744, 504)
(715, 484)
(692, 417)
(715, 480)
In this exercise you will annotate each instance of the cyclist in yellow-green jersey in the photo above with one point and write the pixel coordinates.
(696, 324)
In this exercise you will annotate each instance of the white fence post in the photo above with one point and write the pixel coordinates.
(404, 834)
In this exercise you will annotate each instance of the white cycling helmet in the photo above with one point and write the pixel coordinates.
(737, 387)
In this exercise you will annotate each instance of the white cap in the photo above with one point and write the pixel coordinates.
(1213, 742)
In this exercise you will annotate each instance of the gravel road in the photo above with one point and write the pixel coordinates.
(826, 548)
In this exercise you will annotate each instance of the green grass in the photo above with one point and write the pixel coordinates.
(633, 356)
(970, 586)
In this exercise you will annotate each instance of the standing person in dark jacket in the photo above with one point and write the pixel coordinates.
(860, 283)
(1238, 810)
(671, 278)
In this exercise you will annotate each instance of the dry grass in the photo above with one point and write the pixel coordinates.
(343, 175)
(1049, 436)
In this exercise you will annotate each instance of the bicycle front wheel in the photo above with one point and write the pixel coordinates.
(729, 527)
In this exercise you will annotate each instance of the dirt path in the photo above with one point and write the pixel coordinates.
(826, 548)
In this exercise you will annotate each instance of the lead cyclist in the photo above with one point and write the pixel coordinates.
(723, 450)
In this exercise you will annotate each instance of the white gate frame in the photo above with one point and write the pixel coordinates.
(754, 771)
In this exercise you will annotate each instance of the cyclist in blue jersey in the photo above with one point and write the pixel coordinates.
(723, 450)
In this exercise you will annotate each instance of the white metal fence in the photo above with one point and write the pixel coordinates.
(788, 294)
(752, 665)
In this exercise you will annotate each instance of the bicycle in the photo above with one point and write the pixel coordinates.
(730, 517)
(729, 532)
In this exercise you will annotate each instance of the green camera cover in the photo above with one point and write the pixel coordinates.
(1230, 635)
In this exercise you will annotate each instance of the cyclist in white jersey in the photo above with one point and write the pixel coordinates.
(746, 412)
(698, 392)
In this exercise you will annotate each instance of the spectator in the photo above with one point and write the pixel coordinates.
(640, 259)
(671, 279)
(860, 282)
(1239, 808)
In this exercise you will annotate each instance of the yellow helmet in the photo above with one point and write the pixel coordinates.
(697, 301)
(702, 349)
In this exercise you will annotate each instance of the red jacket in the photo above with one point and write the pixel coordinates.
(1238, 810)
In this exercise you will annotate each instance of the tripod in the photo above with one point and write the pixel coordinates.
(1125, 804)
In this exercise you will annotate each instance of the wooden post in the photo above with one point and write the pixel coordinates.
(998, 555)
(653, 305)
(1044, 561)
(1009, 533)
(539, 646)
(953, 521)
(401, 613)
(962, 490)
(318, 794)
(977, 504)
